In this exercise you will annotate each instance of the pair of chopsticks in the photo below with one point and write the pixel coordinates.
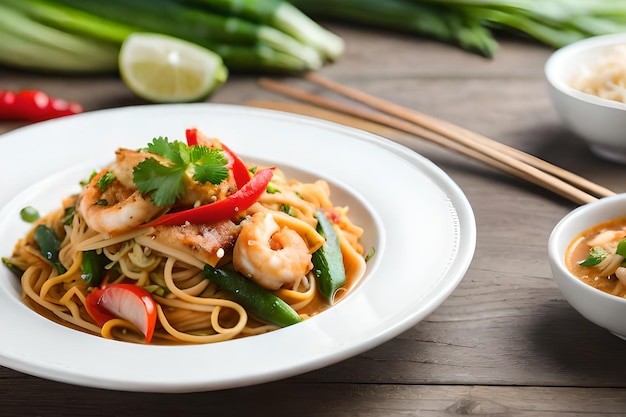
(381, 113)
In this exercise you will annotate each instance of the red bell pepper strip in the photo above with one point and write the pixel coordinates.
(34, 106)
(127, 301)
(221, 210)
(240, 172)
(192, 136)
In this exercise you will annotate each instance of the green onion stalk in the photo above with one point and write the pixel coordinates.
(427, 20)
(553, 22)
(85, 35)
(470, 24)
(283, 16)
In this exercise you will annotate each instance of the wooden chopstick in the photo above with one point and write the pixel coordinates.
(456, 132)
(446, 135)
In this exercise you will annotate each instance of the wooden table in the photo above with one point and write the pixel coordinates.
(505, 343)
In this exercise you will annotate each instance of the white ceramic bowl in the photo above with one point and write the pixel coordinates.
(605, 310)
(601, 122)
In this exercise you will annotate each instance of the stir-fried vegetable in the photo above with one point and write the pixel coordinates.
(260, 301)
(328, 260)
(29, 214)
(85, 36)
(126, 301)
(93, 267)
(49, 246)
(221, 210)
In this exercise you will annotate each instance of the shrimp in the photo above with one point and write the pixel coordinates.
(271, 256)
(120, 207)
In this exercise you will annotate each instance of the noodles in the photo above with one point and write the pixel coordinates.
(607, 79)
(167, 261)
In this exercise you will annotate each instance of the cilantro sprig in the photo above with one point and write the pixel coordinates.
(166, 183)
(598, 254)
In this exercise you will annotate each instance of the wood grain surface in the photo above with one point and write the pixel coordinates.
(505, 343)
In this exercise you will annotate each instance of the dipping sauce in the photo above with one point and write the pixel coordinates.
(596, 256)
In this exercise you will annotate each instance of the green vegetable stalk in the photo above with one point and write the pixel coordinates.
(283, 16)
(49, 246)
(74, 36)
(261, 302)
(398, 15)
(28, 44)
(93, 267)
(328, 260)
(469, 23)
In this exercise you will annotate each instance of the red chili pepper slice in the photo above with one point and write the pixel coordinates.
(223, 209)
(240, 172)
(192, 136)
(34, 106)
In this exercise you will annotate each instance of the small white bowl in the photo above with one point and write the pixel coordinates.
(603, 309)
(601, 122)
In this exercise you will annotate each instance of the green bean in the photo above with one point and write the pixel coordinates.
(92, 265)
(49, 246)
(12, 267)
(258, 300)
(328, 260)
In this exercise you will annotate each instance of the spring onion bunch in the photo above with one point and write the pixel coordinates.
(471, 23)
(86, 35)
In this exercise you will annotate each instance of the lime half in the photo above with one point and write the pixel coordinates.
(163, 69)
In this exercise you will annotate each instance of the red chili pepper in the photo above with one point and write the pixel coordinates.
(34, 106)
(223, 209)
(192, 136)
(240, 172)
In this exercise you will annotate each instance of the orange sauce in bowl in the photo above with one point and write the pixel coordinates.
(578, 251)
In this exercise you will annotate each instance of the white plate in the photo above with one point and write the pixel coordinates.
(416, 217)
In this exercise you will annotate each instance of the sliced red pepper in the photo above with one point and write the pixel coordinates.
(126, 301)
(240, 172)
(34, 106)
(192, 136)
(221, 210)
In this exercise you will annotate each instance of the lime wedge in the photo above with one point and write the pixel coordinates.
(163, 69)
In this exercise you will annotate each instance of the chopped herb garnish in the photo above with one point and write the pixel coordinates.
(272, 190)
(106, 180)
(286, 208)
(621, 248)
(370, 253)
(596, 255)
(29, 214)
(68, 215)
(12, 267)
(166, 183)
